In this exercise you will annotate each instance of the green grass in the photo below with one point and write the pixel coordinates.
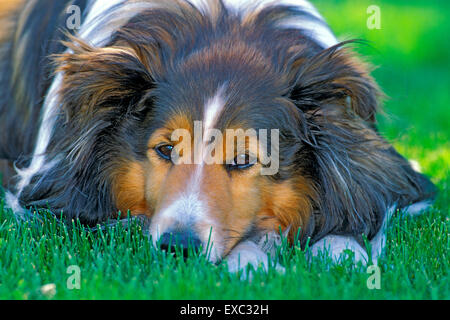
(412, 52)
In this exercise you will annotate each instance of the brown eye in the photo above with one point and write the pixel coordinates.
(242, 161)
(164, 151)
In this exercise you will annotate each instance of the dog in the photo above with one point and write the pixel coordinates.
(225, 124)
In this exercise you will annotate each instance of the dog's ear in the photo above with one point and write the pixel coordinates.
(358, 173)
(111, 77)
(335, 76)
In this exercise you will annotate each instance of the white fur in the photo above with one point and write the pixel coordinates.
(96, 13)
(245, 253)
(185, 209)
(213, 109)
(106, 16)
(417, 208)
(415, 165)
(316, 29)
(12, 202)
(45, 131)
(335, 246)
(38, 161)
(255, 253)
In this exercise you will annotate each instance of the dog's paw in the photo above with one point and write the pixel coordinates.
(248, 257)
(338, 248)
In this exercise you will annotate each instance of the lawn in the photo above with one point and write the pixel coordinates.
(411, 52)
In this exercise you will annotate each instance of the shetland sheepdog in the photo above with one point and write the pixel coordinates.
(225, 124)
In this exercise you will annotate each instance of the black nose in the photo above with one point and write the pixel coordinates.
(180, 242)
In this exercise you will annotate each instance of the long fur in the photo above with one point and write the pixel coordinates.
(113, 96)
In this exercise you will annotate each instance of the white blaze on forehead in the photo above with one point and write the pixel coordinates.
(189, 205)
(189, 208)
(213, 109)
(205, 129)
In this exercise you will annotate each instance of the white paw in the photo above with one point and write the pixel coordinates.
(249, 255)
(337, 247)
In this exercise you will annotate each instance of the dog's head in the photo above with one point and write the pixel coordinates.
(218, 127)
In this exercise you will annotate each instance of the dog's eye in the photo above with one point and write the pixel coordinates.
(242, 161)
(164, 151)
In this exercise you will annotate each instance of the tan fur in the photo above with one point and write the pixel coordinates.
(8, 11)
(237, 201)
(288, 205)
(129, 189)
